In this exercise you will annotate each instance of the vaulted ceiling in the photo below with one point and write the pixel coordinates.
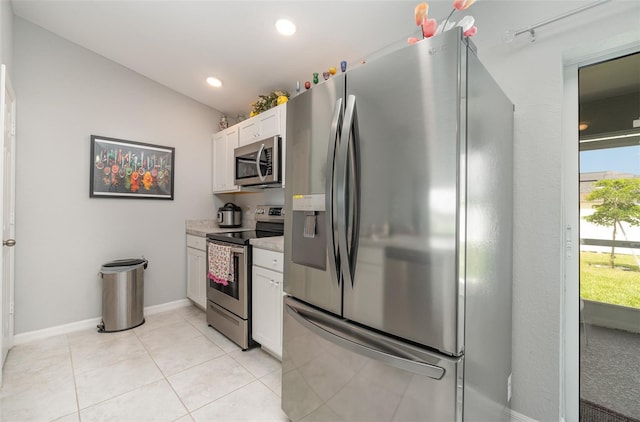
(180, 43)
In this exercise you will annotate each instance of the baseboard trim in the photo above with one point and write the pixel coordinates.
(519, 417)
(30, 336)
(169, 306)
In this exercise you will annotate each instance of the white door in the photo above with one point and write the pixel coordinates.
(7, 181)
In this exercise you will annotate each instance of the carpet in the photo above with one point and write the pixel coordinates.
(591, 412)
(609, 368)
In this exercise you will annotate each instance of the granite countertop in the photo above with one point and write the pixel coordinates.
(202, 227)
(275, 243)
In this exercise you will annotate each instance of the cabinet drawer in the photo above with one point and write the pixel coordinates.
(268, 259)
(196, 242)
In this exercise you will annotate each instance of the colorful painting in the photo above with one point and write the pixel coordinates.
(127, 169)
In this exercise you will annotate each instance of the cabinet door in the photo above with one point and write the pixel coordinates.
(278, 297)
(224, 143)
(201, 284)
(248, 131)
(267, 309)
(264, 125)
(197, 277)
(261, 320)
(269, 123)
(219, 159)
(232, 144)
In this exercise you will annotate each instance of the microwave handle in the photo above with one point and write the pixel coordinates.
(258, 163)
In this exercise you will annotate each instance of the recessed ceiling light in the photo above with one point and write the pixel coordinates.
(583, 125)
(214, 81)
(285, 27)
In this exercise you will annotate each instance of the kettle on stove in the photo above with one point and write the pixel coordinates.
(229, 215)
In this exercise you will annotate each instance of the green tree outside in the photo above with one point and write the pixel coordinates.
(619, 200)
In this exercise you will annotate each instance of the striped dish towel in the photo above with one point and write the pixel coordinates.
(220, 264)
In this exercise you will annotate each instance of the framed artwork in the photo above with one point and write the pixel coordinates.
(127, 169)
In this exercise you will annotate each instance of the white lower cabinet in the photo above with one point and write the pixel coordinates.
(266, 302)
(197, 270)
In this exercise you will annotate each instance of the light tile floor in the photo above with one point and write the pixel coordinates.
(174, 367)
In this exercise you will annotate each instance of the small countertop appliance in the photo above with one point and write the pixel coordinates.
(229, 215)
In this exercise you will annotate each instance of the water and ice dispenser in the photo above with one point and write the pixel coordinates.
(309, 234)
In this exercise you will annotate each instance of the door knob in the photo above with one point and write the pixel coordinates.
(9, 242)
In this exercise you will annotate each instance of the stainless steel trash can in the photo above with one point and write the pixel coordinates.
(122, 294)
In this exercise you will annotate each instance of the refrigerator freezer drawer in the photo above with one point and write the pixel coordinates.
(335, 370)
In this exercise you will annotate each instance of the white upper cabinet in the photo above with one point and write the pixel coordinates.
(223, 144)
(264, 125)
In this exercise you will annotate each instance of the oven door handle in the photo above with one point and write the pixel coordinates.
(237, 251)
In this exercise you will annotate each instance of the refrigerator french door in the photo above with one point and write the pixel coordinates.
(398, 241)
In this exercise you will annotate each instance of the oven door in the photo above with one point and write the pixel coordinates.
(234, 296)
(258, 163)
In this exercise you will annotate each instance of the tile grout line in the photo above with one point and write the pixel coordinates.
(166, 379)
(116, 396)
(227, 394)
(73, 376)
(255, 378)
(243, 366)
(225, 353)
(129, 391)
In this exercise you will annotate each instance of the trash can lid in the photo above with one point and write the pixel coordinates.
(131, 262)
(125, 262)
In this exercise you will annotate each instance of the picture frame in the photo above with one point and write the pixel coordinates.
(128, 169)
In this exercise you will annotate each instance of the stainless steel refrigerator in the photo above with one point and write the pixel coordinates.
(398, 229)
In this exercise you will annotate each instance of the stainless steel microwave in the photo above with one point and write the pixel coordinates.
(258, 163)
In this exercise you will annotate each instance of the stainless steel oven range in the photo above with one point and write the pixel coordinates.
(229, 304)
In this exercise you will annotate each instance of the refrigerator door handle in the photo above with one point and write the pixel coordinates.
(348, 159)
(364, 342)
(355, 191)
(336, 123)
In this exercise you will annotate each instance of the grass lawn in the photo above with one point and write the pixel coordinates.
(619, 286)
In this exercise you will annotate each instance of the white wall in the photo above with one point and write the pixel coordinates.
(531, 75)
(6, 35)
(248, 202)
(65, 94)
